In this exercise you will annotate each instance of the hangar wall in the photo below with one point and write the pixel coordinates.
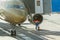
(47, 6)
(30, 4)
(56, 6)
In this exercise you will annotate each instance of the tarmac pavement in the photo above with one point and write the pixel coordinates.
(49, 30)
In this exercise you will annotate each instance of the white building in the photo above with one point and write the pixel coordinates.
(38, 6)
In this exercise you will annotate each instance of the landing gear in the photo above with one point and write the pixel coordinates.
(13, 32)
(19, 24)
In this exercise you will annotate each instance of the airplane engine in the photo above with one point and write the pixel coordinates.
(36, 17)
(13, 11)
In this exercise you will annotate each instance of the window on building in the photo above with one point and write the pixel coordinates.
(38, 3)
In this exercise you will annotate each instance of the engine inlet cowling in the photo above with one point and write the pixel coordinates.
(34, 17)
(38, 17)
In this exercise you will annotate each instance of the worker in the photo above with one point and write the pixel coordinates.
(37, 24)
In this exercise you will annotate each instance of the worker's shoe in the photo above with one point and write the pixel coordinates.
(38, 28)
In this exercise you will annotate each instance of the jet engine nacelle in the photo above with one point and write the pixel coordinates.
(38, 17)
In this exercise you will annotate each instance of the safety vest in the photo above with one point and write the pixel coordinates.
(36, 21)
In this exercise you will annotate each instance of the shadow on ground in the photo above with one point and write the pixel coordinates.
(43, 32)
(47, 32)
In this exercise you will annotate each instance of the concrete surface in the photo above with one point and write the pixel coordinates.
(50, 30)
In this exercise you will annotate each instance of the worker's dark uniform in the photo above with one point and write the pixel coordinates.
(37, 24)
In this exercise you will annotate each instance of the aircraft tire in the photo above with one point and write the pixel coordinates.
(13, 32)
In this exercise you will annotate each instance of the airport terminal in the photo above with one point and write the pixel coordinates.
(29, 20)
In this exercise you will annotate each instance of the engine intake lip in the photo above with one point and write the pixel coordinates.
(38, 17)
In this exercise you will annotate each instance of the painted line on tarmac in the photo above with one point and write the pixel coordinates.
(41, 37)
(25, 37)
(7, 31)
(36, 35)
